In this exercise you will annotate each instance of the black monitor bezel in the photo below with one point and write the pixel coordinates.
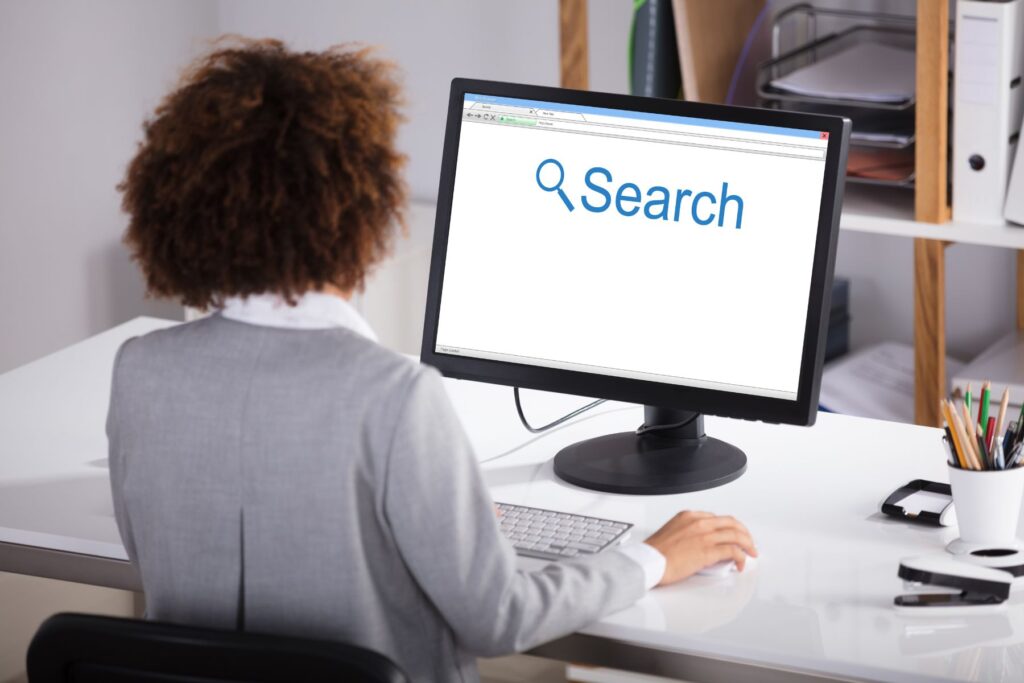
(802, 410)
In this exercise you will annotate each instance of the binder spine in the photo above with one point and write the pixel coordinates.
(987, 96)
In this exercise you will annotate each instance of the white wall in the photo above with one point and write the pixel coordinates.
(77, 79)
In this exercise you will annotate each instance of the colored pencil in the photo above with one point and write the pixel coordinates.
(983, 405)
(1001, 419)
(990, 432)
(958, 435)
(965, 441)
(969, 424)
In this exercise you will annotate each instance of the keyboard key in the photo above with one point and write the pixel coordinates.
(586, 547)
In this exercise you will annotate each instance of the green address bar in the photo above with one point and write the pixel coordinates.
(517, 120)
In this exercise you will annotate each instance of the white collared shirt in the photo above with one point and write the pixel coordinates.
(319, 311)
(312, 311)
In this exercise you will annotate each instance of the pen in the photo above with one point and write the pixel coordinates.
(957, 452)
(999, 457)
(983, 452)
(954, 439)
(1012, 462)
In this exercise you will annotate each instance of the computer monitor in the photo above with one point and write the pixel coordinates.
(673, 254)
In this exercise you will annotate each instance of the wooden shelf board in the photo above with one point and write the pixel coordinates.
(891, 212)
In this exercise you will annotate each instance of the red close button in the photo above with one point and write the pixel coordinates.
(824, 135)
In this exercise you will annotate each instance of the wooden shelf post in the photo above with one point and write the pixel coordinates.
(929, 330)
(573, 47)
(931, 204)
(931, 175)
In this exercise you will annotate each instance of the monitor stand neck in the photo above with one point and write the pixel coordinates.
(669, 453)
(672, 423)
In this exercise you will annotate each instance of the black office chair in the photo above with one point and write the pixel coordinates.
(91, 649)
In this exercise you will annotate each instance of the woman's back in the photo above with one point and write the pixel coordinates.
(249, 464)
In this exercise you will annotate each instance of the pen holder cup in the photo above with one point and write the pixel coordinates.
(987, 504)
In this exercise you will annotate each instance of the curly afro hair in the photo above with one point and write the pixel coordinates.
(267, 170)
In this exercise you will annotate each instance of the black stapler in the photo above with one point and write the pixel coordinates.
(969, 587)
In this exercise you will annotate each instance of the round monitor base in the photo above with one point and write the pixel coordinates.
(649, 465)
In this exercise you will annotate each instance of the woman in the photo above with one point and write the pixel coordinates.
(273, 468)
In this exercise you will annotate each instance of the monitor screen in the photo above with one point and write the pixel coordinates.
(646, 246)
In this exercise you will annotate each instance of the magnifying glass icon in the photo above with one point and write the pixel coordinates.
(557, 186)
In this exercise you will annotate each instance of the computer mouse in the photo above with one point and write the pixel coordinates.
(726, 567)
(719, 569)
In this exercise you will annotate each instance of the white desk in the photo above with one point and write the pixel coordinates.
(817, 604)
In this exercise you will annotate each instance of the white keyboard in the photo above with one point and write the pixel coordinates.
(551, 535)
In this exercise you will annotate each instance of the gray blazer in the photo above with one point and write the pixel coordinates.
(313, 483)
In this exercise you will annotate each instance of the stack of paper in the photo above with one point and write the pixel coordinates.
(868, 72)
(875, 382)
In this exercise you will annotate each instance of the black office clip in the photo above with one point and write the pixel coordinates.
(923, 502)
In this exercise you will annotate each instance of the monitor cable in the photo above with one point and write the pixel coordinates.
(537, 430)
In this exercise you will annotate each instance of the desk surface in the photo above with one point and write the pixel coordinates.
(818, 601)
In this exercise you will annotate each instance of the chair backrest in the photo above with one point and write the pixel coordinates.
(93, 649)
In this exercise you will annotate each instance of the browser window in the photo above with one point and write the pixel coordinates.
(667, 248)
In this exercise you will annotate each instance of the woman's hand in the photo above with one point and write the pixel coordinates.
(691, 541)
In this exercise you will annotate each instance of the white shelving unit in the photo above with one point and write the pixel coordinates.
(891, 212)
